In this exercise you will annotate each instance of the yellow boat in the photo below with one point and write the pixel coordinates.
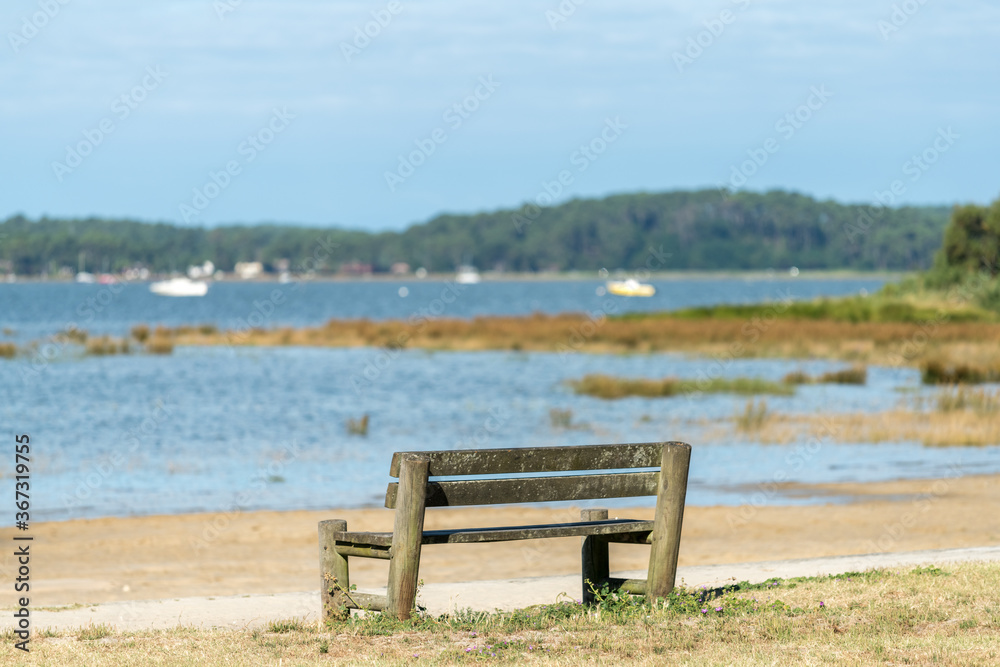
(630, 287)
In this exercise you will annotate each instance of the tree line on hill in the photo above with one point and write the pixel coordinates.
(679, 230)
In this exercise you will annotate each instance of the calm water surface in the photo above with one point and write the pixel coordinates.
(210, 429)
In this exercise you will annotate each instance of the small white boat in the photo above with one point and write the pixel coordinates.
(467, 275)
(179, 287)
(630, 287)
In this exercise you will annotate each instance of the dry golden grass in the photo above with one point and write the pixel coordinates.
(887, 343)
(8, 350)
(939, 428)
(106, 345)
(921, 616)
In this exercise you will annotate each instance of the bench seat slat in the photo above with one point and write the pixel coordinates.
(534, 489)
(537, 459)
(635, 530)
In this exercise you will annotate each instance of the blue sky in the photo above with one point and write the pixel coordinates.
(278, 111)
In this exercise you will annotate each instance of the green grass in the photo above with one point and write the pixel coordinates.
(922, 616)
(937, 371)
(853, 375)
(875, 308)
(609, 387)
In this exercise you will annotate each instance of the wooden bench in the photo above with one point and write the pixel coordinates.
(416, 491)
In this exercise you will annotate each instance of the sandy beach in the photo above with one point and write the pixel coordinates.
(155, 557)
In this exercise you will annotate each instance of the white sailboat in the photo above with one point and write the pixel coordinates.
(179, 287)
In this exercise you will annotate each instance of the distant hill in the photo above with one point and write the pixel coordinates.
(702, 229)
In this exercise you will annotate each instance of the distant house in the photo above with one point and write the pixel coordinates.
(355, 269)
(248, 270)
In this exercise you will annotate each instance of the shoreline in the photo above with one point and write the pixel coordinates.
(89, 561)
(489, 276)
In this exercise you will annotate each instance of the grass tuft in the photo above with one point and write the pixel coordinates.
(853, 375)
(159, 344)
(8, 350)
(95, 632)
(140, 332)
(561, 418)
(609, 387)
(358, 426)
(959, 398)
(939, 371)
(107, 345)
(753, 417)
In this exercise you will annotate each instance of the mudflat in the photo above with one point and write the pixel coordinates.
(155, 557)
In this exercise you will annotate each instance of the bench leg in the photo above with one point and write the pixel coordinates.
(407, 534)
(596, 566)
(667, 523)
(333, 573)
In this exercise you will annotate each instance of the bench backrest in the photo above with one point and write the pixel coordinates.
(521, 486)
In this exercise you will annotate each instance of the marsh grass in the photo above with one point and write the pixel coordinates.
(979, 401)
(753, 418)
(922, 616)
(855, 309)
(159, 344)
(952, 427)
(853, 375)
(106, 345)
(883, 342)
(609, 387)
(8, 350)
(140, 332)
(358, 426)
(561, 418)
(942, 371)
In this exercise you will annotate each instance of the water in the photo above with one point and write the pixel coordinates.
(211, 429)
(39, 309)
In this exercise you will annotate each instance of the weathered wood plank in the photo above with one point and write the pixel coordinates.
(534, 489)
(333, 571)
(364, 551)
(363, 538)
(538, 459)
(407, 531)
(595, 564)
(371, 601)
(666, 538)
(511, 533)
(613, 530)
(632, 586)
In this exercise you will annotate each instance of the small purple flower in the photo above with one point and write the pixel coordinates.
(821, 604)
(718, 609)
(704, 611)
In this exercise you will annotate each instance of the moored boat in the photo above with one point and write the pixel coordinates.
(630, 287)
(179, 287)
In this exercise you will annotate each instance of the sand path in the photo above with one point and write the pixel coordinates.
(151, 558)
